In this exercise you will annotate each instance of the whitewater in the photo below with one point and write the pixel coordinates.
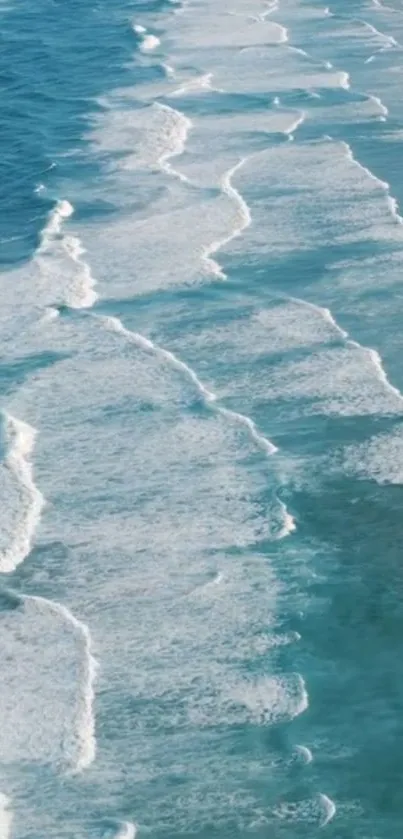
(201, 420)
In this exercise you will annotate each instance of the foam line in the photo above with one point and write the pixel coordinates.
(81, 743)
(288, 525)
(209, 398)
(80, 294)
(149, 43)
(324, 311)
(295, 124)
(194, 85)
(373, 354)
(344, 80)
(272, 6)
(377, 362)
(283, 34)
(60, 212)
(182, 126)
(298, 50)
(245, 221)
(5, 817)
(383, 6)
(168, 70)
(127, 830)
(305, 753)
(20, 440)
(391, 201)
(328, 808)
(390, 41)
(383, 109)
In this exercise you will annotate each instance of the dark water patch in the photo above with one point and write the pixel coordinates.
(9, 601)
(14, 373)
(55, 60)
(351, 649)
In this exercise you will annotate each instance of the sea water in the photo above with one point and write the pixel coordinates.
(201, 437)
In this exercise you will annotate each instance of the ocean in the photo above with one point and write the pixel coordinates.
(201, 429)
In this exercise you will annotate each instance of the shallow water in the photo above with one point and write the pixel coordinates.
(201, 433)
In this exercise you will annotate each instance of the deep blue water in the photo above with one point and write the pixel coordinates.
(201, 447)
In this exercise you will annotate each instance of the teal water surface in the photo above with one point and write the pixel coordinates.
(201, 432)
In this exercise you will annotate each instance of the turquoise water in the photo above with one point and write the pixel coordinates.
(201, 444)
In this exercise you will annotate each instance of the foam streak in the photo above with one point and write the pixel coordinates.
(373, 354)
(328, 808)
(5, 817)
(20, 438)
(127, 830)
(391, 201)
(209, 398)
(181, 125)
(61, 211)
(245, 220)
(80, 293)
(200, 83)
(80, 744)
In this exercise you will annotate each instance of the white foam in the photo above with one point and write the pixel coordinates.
(317, 811)
(208, 396)
(47, 686)
(139, 29)
(145, 138)
(79, 741)
(286, 325)
(288, 524)
(329, 809)
(50, 313)
(5, 817)
(224, 29)
(379, 5)
(339, 375)
(169, 70)
(391, 201)
(23, 502)
(61, 211)
(343, 381)
(178, 490)
(230, 137)
(176, 128)
(80, 292)
(76, 288)
(383, 109)
(127, 830)
(299, 119)
(244, 220)
(305, 753)
(380, 459)
(283, 34)
(195, 85)
(388, 40)
(149, 42)
(344, 80)
(270, 698)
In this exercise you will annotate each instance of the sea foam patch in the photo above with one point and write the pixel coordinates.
(380, 459)
(43, 685)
